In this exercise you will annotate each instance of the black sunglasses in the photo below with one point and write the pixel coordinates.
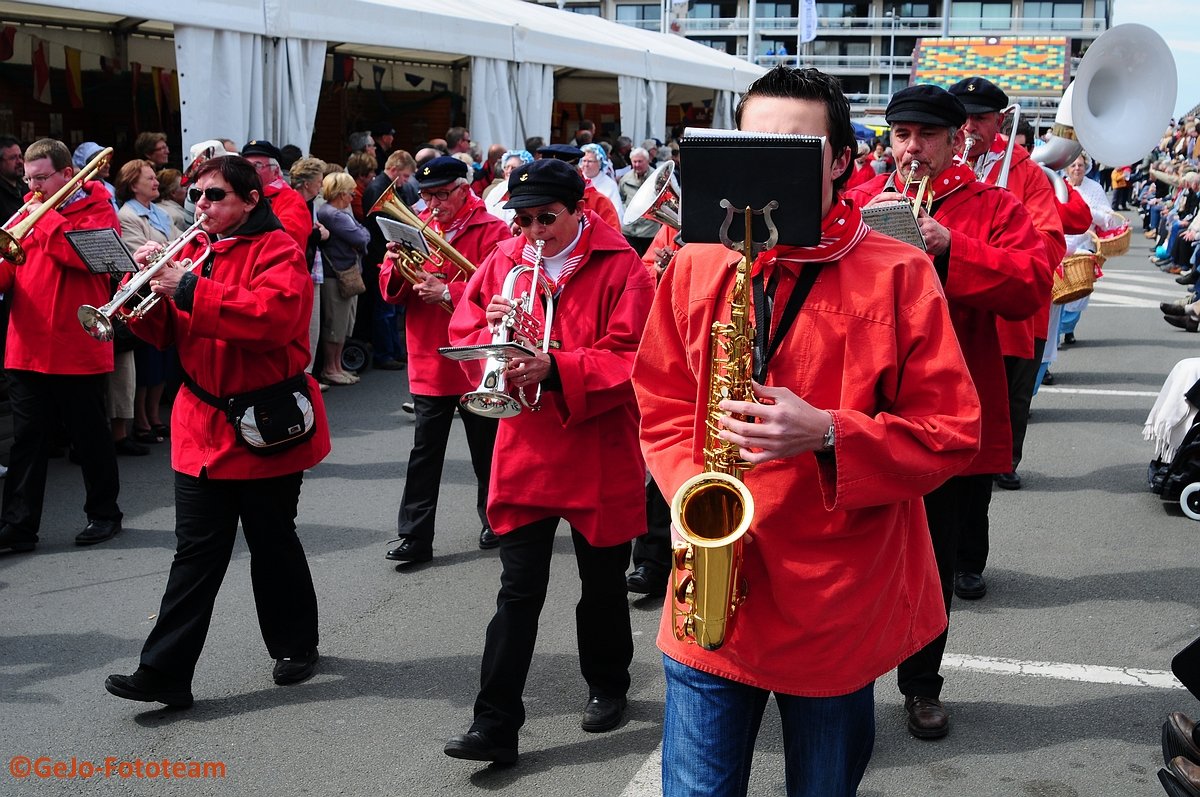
(544, 219)
(211, 194)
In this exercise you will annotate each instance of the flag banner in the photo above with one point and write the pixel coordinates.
(413, 80)
(156, 81)
(343, 68)
(439, 86)
(170, 81)
(74, 77)
(41, 71)
(135, 70)
(7, 35)
(377, 72)
(807, 29)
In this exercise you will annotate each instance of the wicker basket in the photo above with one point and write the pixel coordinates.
(1113, 246)
(1077, 278)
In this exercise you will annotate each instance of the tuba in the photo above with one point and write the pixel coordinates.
(491, 398)
(12, 233)
(712, 510)
(441, 254)
(131, 301)
(657, 199)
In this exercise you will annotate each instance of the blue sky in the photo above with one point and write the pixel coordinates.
(1178, 22)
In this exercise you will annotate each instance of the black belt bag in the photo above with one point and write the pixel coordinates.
(268, 420)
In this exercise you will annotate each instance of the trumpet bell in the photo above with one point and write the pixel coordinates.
(96, 323)
(657, 199)
(490, 404)
(10, 250)
(1124, 93)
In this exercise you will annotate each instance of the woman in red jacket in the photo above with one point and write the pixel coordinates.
(240, 322)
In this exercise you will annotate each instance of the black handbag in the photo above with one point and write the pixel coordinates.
(268, 420)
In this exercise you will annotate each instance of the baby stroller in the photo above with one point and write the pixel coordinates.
(1179, 480)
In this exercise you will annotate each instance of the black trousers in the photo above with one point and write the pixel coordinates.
(1022, 376)
(602, 627)
(918, 674)
(207, 512)
(434, 416)
(39, 403)
(654, 547)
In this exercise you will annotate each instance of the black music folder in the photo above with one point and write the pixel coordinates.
(750, 170)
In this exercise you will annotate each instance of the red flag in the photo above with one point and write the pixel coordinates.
(41, 71)
(136, 74)
(74, 77)
(7, 33)
(156, 79)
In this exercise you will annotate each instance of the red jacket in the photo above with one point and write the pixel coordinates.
(995, 269)
(291, 210)
(663, 239)
(44, 333)
(862, 174)
(842, 582)
(248, 329)
(602, 206)
(577, 457)
(429, 373)
(1076, 214)
(1028, 183)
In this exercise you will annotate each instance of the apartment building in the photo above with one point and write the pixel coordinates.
(867, 43)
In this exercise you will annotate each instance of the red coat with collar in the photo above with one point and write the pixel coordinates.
(1075, 213)
(44, 333)
(1028, 183)
(291, 210)
(996, 269)
(429, 373)
(842, 580)
(602, 206)
(248, 329)
(577, 457)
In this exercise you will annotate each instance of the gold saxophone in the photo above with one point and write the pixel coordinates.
(712, 511)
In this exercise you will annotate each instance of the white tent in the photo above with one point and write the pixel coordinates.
(254, 67)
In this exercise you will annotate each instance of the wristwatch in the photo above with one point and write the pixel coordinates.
(446, 295)
(827, 443)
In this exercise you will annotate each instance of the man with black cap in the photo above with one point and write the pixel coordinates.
(1021, 342)
(286, 203)
(593, 200)
(436, 383)
(991, 262)
(575, 458)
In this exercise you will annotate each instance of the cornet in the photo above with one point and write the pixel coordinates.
(924, 196)
(98, 321)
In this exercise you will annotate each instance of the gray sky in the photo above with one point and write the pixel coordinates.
(1178, 22)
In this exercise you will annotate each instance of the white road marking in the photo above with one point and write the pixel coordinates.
(647, 781)
(1087, 673)
(1095, 391)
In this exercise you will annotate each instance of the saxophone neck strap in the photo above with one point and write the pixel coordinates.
(764, 301)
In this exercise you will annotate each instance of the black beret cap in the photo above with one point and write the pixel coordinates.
(563, 152)
(261, 147)
(926, 104)
(979, 96)
(544, 182)
(440, 171)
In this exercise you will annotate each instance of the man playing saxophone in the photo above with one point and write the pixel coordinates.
(575, 458)
(866, 405)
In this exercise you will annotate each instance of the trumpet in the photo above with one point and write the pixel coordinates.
(491, 398)
(924, 196)
(11, 235)
(968, 145)
(99, 321)
(441, 253)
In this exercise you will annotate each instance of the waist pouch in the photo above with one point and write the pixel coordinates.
(268, 420)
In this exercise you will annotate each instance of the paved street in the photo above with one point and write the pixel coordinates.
(1088, 569)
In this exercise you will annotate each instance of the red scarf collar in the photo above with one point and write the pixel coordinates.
(841, 230)
(442, 227)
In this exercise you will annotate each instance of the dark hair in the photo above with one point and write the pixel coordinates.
(237, 171)
(291, 153)
(809, 84)
(455, 135)
(8, 141)
(145, 143)
(130, 173)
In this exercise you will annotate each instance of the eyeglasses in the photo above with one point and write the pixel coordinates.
(211, 194)
(35, 179)
(544, 219)
(440, 196)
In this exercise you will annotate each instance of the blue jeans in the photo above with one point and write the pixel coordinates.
(711, 724)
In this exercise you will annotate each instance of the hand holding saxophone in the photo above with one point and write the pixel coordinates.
(785, 425)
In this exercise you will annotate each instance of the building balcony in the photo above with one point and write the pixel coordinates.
(740, 26)
(844, 64)
(641, 24)
(1027, 26)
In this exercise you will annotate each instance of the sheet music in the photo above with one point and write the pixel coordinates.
(102, 251)
(895, 220)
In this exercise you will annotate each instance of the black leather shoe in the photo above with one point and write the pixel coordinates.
(294, 669)
(98, 531)
(1188, 278)
(1007, 481)
(128, 447)
(16, 541)
(927, 717)
(1179, 738)
(150, 686)
(411, 550)
(478, 746)
(969, 586)
(1181, 778)
(1183, 322)
(1172, 308)
(1069, 339)
(646, 580)
(602, 714)
(488, 539)
(1047, 379)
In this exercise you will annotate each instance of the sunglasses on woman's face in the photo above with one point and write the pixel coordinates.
(211, 194)
(544, 219)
